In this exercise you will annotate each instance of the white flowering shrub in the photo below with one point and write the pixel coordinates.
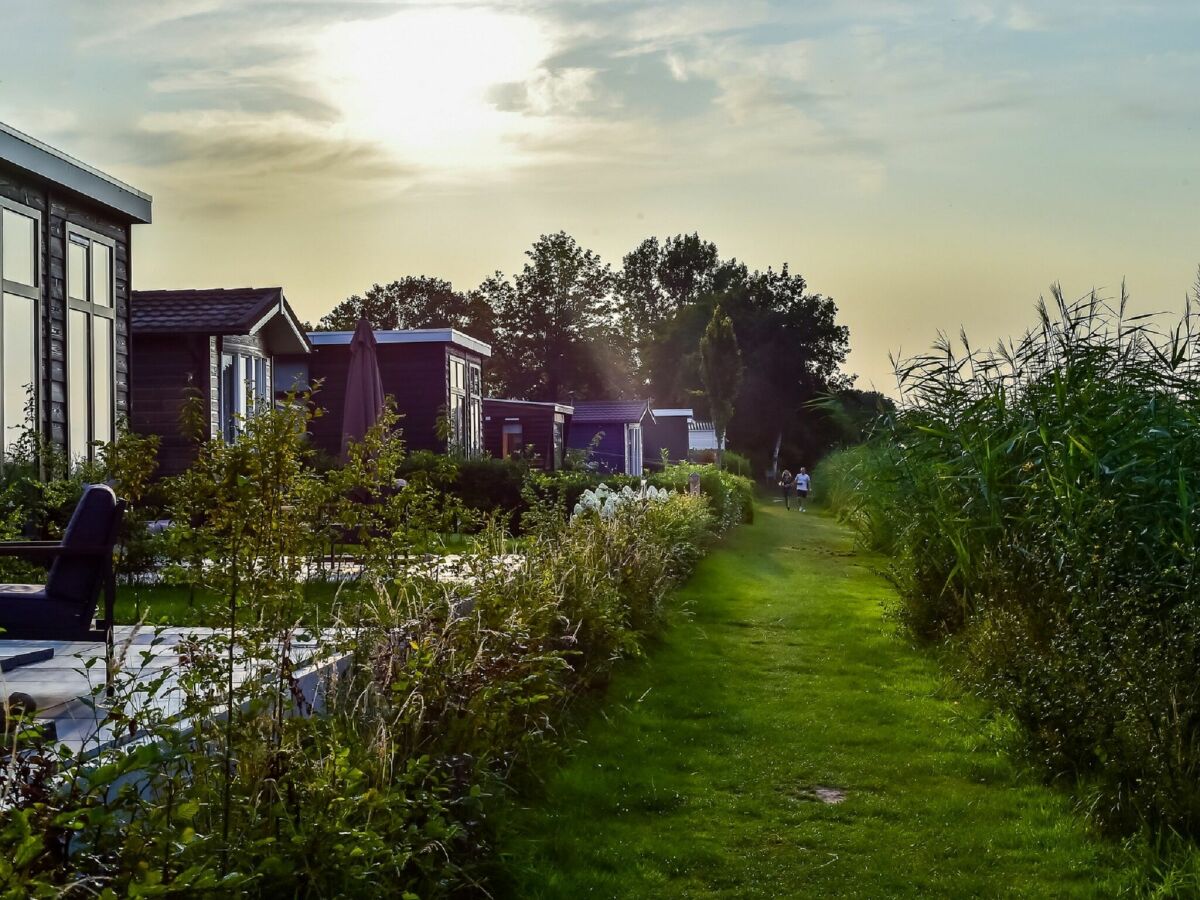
(605, 502)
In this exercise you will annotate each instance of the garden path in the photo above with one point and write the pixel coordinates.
(711, 767)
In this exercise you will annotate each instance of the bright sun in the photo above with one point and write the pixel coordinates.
(421, 82)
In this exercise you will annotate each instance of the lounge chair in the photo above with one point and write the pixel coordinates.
(81, 568)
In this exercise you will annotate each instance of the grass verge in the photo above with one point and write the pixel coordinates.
(702, 775)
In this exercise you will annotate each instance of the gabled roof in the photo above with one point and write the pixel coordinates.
(407, 336)
(599, 411)
(220, 311)
(44, 161)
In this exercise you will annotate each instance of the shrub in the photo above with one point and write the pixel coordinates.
(1040, 503)
(450, 688)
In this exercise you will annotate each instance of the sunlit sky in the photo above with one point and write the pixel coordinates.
(929, 165)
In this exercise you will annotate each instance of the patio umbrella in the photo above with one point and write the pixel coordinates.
(364, 389)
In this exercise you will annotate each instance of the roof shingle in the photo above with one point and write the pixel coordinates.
(596, 411)
(211, 311)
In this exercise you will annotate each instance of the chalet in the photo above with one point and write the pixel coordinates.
(66, 235)
(537, 431)
(435, 375)
(220, 342)
(612, 431)
(669, 432)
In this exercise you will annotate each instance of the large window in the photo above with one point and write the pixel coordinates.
(20, 229)
(245, 386)
(91, 329)
(465, 410)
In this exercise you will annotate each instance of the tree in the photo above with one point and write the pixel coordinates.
(655, 282)
(555, 329)
(414, 302)
(721, 368)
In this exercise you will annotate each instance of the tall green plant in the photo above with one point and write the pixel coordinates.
(721, 368)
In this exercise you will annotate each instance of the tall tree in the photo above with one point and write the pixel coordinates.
(656, 281)
(555, 325)
(721, 368)
(414, 302)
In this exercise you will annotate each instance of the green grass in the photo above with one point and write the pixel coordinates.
(694, 778)
(162, 604)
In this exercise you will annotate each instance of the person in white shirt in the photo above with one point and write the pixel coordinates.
(803, 483)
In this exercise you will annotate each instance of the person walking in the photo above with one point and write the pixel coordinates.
(786, 484)
(803, 485)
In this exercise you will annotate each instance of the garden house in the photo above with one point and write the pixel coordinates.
(66, 233)
(668, 431)
(537, 431)
(435, 375)
(221, 342)
(611, 430)
(702, 436)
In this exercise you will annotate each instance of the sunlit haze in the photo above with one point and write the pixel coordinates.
(927, 165)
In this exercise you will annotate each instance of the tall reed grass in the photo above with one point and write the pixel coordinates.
(1039, 500)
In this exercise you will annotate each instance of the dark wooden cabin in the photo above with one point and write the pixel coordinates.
(668, 431)
(435, 375)
(517, 427)
(66, 234)
(221, 342)
(619, 425)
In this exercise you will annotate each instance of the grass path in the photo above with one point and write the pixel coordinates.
(697, 778)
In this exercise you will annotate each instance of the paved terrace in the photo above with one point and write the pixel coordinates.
(69, 692)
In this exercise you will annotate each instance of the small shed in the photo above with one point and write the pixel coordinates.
(222, 342)
(615, 429)
(702, 436)
(512, 427)
(435, 376)
(669, 432)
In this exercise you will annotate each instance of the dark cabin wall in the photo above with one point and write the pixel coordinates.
(670, 432)
(415, 375)
(537, 428)
(610, 452)
(58, 209)
(163, 368)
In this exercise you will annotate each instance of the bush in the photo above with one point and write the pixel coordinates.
(1040, 503)
(449, 688)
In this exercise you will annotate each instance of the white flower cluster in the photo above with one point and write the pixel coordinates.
(605, 501)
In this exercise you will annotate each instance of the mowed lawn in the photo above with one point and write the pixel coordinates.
(699, 775)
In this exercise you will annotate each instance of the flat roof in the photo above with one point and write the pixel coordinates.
(558, 407)
(45, 161)
(406, 336)
(670, 413)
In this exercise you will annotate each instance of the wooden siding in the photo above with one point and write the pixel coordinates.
(610, 452)
(537, 428)
(414, 375)
(164, 368)
(670, 432)
(60, 209)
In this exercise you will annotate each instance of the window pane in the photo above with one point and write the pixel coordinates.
(77, 383)
(19, 242)
(262, 382)
(19, 376)
(102, 274)
(228, 397)
(76, 271)
(102, 379)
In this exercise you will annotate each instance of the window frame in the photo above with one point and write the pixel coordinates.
(82, 236)
(32, 292)
(245, 361)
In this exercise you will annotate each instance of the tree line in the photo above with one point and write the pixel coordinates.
(570, 327)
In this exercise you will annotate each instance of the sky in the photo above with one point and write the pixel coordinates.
(931, 166)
